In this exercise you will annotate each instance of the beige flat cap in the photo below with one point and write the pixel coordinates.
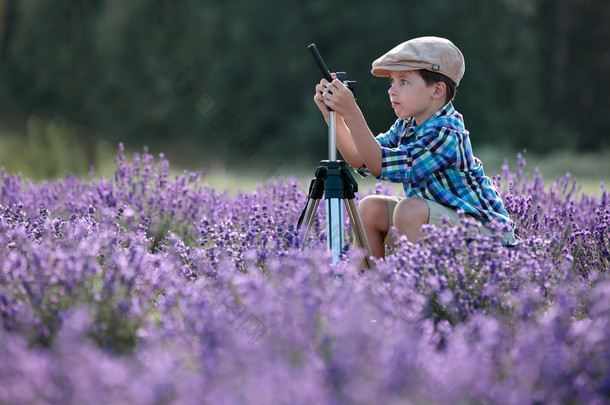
(430, 53)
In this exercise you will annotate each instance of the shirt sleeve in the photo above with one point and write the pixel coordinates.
(428, 153)
(388, 140)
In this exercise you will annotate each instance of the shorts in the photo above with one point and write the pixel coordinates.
(440, 216)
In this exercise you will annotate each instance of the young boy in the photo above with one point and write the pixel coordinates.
(427, 149)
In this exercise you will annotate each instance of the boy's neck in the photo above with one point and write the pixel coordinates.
(434, 108)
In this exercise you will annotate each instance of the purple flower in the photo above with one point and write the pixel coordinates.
(148, 288)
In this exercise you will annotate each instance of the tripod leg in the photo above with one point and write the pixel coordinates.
(316, 192)
(306, 220)
(359, 234)
(334, 227)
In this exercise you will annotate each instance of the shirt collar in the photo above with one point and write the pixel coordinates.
(446, 110)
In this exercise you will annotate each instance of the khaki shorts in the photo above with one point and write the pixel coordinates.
(440, 215)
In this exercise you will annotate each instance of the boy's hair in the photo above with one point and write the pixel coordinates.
(434, 77)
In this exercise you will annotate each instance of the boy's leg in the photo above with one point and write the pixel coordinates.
(375, 216)
(409, 216)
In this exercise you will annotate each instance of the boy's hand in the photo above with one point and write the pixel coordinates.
(319, 97)
(338, 97)
(334, 95)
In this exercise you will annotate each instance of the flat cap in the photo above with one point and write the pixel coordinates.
(430, 53)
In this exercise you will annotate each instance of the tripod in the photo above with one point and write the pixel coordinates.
(334, 181)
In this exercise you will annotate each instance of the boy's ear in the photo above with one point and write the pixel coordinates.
(440, 89)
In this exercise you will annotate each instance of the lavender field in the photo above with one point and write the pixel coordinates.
(148, 288)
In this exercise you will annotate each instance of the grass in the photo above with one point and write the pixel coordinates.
(53, 148)
(590, 170)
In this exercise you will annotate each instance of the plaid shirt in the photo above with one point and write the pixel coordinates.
(434, 161)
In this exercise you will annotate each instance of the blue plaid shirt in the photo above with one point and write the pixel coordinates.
(434, 161)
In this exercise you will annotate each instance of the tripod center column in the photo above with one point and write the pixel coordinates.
(332, 136)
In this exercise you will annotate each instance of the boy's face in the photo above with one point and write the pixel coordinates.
(411, 96)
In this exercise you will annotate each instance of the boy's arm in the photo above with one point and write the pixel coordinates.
(366, 144)
(353, 131)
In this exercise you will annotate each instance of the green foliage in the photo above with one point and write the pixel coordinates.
(212, 77)
(53, 148)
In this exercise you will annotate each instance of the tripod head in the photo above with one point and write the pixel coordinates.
(350, 84)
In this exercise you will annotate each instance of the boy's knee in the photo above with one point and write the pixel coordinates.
(412, 210)
(369, 205)
(373, 208)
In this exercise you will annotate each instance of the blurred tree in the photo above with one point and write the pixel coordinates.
(4, 4)
(575, 42)
(216, 77)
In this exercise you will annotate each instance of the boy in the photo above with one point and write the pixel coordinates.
(427, 149)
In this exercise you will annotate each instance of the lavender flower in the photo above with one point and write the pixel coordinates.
(148, 287)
